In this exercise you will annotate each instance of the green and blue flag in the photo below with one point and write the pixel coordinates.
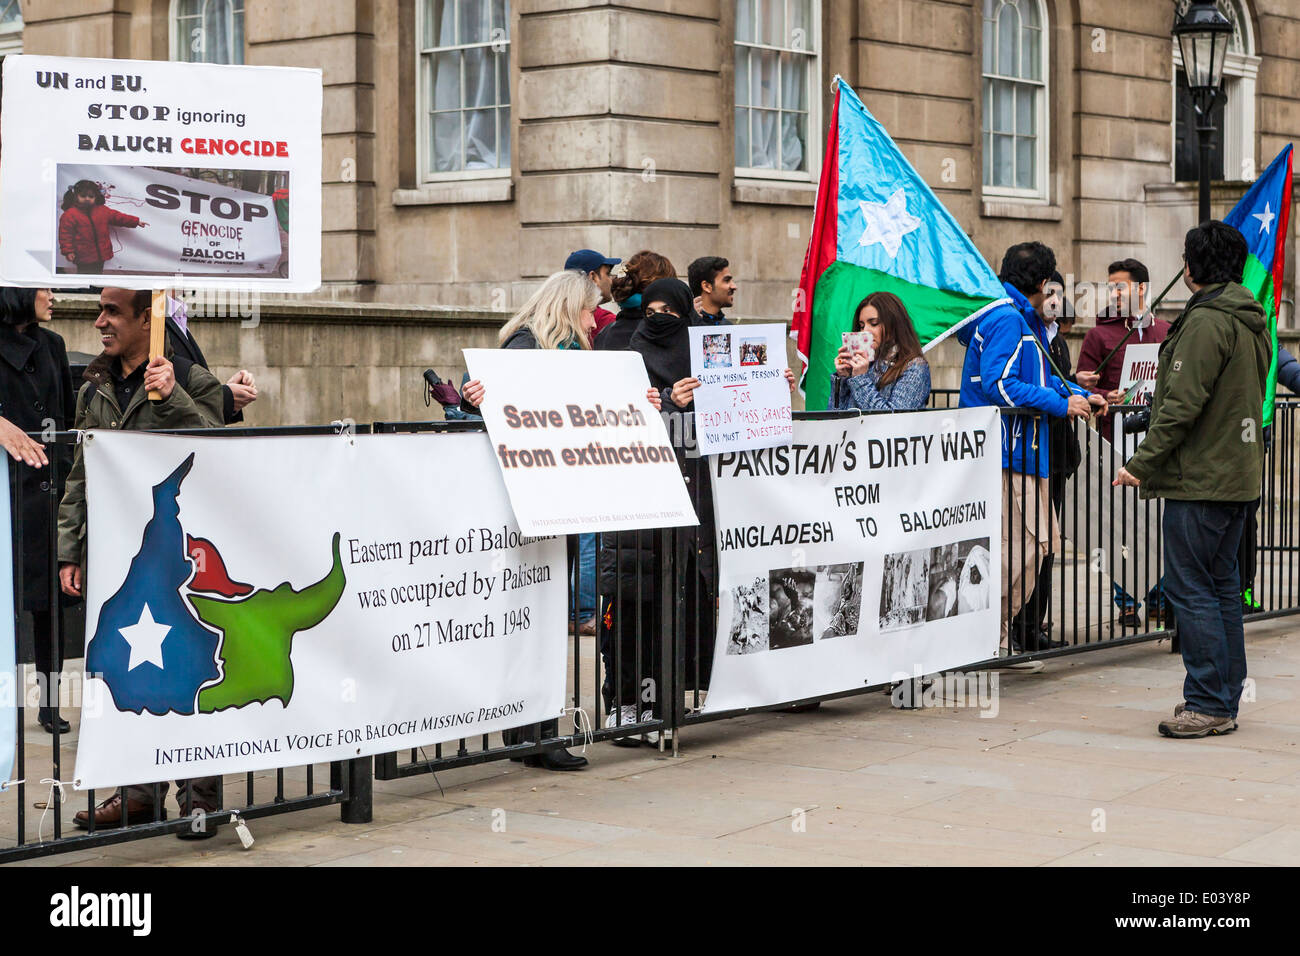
(879, 228)
(1263, 216)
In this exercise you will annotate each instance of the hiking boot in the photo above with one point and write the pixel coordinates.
(1188, 723)
(1182, 706)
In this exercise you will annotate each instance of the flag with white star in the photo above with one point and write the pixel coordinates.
(1263, 216)
(878, 227)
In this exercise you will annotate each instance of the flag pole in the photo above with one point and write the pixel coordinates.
(157, 332)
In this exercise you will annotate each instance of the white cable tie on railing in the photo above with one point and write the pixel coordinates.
(12, 783)
(49, 801)
(582, 719)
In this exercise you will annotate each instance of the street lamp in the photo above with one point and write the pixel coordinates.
(1203, 35)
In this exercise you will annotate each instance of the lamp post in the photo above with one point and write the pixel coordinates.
(1202, 34)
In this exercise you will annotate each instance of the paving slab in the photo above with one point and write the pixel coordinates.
(1067, 771)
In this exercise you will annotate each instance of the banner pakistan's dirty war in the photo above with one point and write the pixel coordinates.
(867, 551)
(270, 602)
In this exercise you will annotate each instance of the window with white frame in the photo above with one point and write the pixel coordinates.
(207, 31)
(777, 89)
(1014, 124)
(1233, 154)
(11, 27)
(464, 88)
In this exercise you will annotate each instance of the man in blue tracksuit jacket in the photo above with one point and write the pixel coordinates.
(1006, 365)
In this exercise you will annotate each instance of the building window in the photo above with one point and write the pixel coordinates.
(1014, 124)
(464, 88)
(208, 31)
(11, 27)
(1232, 157)
(777, 89)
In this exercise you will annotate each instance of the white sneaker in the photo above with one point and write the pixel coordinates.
(626, 715)
(652, 737)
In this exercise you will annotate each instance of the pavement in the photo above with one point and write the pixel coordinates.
(1066, 769)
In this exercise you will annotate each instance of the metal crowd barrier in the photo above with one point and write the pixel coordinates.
(645, 672)
(25, 831)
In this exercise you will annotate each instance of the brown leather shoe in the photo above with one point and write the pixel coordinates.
(109, 814)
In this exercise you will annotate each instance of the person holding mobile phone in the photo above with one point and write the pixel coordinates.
(880, 368)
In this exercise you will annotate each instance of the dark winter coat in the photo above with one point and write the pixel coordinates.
(1206, 439)
(616, 336)
(36, 394)
(183, 344)
(195, 402)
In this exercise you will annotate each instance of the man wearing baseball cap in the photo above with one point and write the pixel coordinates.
(597, 268)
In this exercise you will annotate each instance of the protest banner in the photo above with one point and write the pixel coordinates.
(743, 400)
(10, 687)
(233, 232)
(1140, 365)
(122, 172)
(579, 445)
(867, 551)
(355, 601)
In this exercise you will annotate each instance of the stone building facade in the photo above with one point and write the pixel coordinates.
(470, 144)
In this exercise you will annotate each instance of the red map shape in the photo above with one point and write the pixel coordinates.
(210, 571)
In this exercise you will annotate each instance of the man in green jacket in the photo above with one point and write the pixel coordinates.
(1204, 454)
(115, 395)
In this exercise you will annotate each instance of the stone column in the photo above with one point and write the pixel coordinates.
(619, 116)
(338, 37)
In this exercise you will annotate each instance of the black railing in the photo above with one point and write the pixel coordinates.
(244, 796)
(644, 673)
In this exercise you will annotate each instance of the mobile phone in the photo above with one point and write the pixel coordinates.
(860, 342)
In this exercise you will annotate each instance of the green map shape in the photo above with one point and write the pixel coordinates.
(258, 635)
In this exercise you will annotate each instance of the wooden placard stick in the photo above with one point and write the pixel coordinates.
(157, 332)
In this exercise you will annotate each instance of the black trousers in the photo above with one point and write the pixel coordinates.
(48, 658)
(1246, 549)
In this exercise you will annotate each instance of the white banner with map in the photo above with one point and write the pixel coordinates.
(868, 551)
(271, 602)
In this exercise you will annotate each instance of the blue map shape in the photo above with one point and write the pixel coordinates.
(157, 573)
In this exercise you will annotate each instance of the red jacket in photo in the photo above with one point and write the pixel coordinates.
(85, 238)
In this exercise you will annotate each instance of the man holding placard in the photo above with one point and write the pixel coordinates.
(115, 395)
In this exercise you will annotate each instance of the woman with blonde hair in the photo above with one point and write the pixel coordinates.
(559, 315)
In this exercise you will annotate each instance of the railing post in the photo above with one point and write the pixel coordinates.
(358, 783)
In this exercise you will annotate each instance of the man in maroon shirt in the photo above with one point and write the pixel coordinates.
(596, 268)
(1123, 320)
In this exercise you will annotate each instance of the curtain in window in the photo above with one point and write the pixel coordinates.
(209, 31)
(1014, 82)
(469, 123)
(772, 84)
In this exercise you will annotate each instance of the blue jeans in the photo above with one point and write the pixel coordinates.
(586, 585)
(1203, 585)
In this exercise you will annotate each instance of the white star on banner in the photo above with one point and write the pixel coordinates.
(888, 222)
(1265, 218)
(145, 639)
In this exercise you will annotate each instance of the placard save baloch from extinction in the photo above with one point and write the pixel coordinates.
(879, 228)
